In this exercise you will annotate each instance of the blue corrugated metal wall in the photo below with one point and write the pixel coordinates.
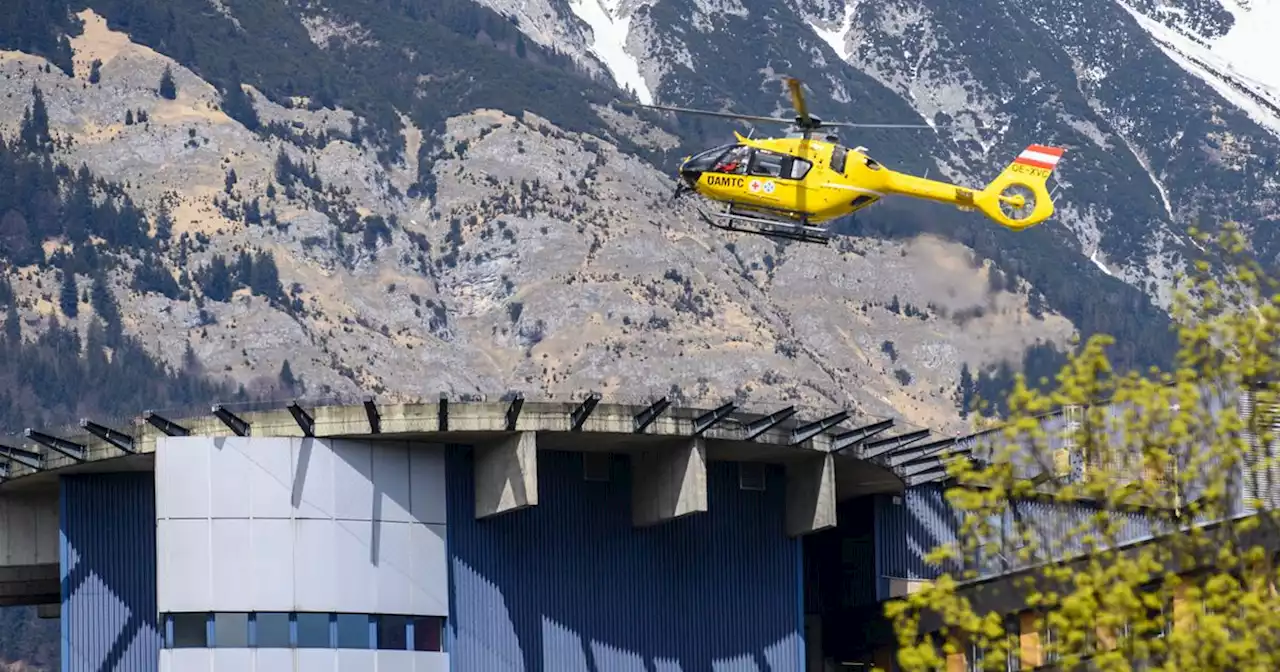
(569, 585)
(107, 544)
(923, 519)
(910, 529)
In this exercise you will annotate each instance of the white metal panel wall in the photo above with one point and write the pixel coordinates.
(300, 660)
(279, 524)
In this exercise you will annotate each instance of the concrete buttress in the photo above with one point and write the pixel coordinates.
(669, 482)
(811, 495)
(506, 475)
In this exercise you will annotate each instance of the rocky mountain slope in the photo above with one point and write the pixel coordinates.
(372, 190)
(1170, 110)
(543, 260)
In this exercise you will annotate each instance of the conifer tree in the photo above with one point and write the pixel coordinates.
(69, 298)
(168, 89)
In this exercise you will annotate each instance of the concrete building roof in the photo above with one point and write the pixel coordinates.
(846, 457)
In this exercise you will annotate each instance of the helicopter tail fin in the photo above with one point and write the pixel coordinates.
(1018, 198)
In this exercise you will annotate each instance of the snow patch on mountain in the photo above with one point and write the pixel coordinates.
(610, 24)
(837, 38)
(1240, 65)
(1249, 47)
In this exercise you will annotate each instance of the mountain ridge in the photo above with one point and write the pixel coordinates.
(368, 286)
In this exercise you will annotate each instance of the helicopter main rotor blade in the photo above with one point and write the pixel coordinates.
(708, 113)
(850, 124)
(798, 103)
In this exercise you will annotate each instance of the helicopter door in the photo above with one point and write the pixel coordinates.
(769, 178)
(777, 179)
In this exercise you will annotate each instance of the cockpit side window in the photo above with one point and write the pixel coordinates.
(735, 161)
(767, 164)
(838, 156)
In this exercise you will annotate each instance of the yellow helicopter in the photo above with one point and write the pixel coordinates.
(791, 187)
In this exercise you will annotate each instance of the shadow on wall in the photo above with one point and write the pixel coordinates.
(570, 585)
(911, 530)
(108, 568)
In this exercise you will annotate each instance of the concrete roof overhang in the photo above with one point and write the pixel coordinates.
(862, 459)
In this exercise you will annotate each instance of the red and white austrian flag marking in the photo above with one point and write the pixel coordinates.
(1040, 156)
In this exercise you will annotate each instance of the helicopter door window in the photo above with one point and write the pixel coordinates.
(767, 164)
(838, 157)
(799, 168)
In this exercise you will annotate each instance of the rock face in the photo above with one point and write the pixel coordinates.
(542, 260)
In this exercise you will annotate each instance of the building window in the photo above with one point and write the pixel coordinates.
(271, 630)
(427, 633)
(283, 630)
(1048, 643)
(975, 657)
(231, 630)
(1013, 639)
(393, 632)
(353, 631)
(190, 631)
(313, 631)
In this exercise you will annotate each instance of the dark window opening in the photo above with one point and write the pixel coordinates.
(313, 631)
(190, 631)
(393, 632)
(307, 630)
(353, 631)
(428, 632)
(271, 630)
(231, 630)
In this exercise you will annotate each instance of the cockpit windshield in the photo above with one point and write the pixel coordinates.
(704, 161)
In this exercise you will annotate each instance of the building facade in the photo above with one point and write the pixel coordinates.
(302, 554)
(298, 554)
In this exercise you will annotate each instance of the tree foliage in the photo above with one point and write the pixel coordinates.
(1172, 453)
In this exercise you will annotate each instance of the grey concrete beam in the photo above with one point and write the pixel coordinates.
(76, 451)
(856, 437)
(49, 610)
(30, 459)
(233, 422)
(668, 482)
(874, 449)
(646, 417)
(811, 495)
(29, 585)
(810, 430)
(305, 422)
(506, 473)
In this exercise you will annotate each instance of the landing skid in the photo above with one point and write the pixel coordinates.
(732, 218)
